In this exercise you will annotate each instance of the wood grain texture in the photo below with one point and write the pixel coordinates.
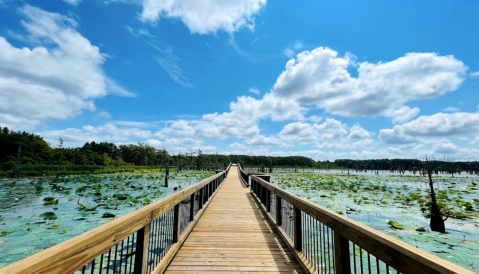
(69, 256)
(400, 255)
(234, 236)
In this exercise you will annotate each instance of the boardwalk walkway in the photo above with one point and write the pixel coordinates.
(233, 236)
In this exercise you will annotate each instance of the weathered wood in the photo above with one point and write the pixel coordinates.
(69, 256)
(201, 198)
(279, 215)
(141, 256)
(268, 200)
(297, 229)
(341, 255)
(307, 267)
(397, 254)
(233, 228)
(192, 207)
(176, 222)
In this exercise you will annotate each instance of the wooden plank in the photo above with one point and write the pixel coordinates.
(69, 256)
(399, 255)
(232, 236)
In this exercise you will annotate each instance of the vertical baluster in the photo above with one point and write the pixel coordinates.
(101, 262)
(369, 263)
(321, 247)
(108, 261)
(121, 255)
(361, 259)
(114, 262)
(329, 249)
(377, 266)
(354, 257)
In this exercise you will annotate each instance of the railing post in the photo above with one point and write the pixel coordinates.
(260, 193)
(192, 207)
(176, 223)
(298, 239)
(279, 215)
(268, 200)
(200, 198)
(141, 253)
(342, 260)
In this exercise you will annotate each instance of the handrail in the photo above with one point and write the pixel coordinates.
(146, 239)
(228, 169)
(243, 176)
(325, 241)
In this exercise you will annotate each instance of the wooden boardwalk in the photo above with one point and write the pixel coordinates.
(233, 236)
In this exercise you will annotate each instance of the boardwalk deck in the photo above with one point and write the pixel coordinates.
(233, 236)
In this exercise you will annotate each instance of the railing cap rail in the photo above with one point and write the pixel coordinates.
(101, 238)
(375, 242)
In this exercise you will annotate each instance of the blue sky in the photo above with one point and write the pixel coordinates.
(322, 79)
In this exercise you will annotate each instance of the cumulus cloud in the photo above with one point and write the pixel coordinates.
(204, 16)
(305, 133)
(437, 125)
(261, 140)
(402, 114)
(103, 133)
(445, 148)
(321, 77)
(357, 133)
(63, 72)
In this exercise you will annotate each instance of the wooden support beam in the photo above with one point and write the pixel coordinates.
(279, 215)
(192, 207)
(141, 256)
(297, 229)
(176, 222)
(341, 254)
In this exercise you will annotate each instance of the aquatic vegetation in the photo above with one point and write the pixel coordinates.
(402, 201)
(32, 214)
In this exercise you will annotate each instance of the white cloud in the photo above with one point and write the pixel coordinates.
(63, 73)
(437, 125)
(476, 140)
(305, 133)
(104, 114)
(402, 114)
(314, 118)
(320, 77)
(261, 140)
(445, 148)
(204, 16)
(254, 90)
(474, 74)
(451, 109)
(357, 133)
(104, 133)
(72, 2)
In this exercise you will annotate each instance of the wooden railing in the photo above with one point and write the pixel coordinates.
(243, 176)
(143, 241)
(326, 242)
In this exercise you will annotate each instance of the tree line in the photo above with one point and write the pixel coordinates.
(26, 150)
